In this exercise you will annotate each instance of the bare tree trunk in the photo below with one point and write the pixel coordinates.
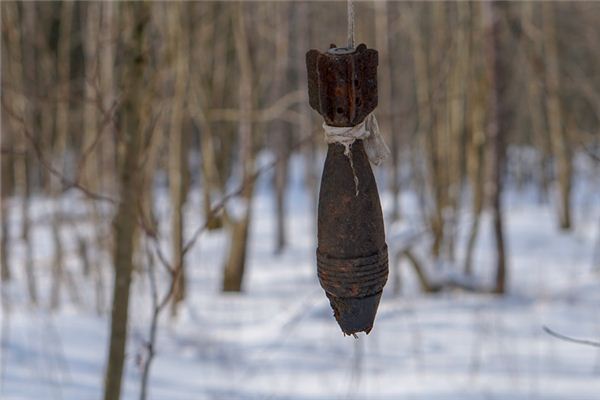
(92, 145)
(497, 129)
(476, 170)
(239, 224)
(60, 145)
(106, 74)
(280, 136)
(105, 151)
(156, 309)
(177, 148)
(427, 127)
(90, 106)
(398, 125)
(24, 172)
(456, 116)
(157, 128)
(214, 95)
(382, 33)
(210, 173)
(5, 273)
(476, 141)
(46, 87)
(7, 162)
(5, 170)
(311, 176)
(558, 136)
(124, 223)
(439, 143)
(17, 105)
(535, 98)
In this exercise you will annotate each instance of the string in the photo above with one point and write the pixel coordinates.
(368, 132)
(350, 24)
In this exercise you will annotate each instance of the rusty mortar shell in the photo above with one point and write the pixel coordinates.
(352, 260)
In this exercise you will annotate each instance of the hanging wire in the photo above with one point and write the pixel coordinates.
(350, 24)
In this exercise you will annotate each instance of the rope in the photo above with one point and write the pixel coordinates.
(368, 132)
(350, 24)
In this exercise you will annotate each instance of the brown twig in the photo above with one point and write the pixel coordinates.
(67, 184)
(107, 118)
(157, 308)
(570, 339)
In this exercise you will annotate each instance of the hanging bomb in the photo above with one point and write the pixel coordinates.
(352, 259)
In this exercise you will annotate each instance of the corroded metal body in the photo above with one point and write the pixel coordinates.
(352, 253)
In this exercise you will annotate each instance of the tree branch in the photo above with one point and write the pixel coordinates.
(570, 339)
(67, 184)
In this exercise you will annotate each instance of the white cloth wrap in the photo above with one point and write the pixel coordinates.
(367, 131)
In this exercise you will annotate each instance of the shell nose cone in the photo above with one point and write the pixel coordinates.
(355, 314)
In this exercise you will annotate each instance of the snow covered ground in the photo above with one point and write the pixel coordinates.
(278, 339)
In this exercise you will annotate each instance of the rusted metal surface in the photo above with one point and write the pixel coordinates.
(352, 254)
(342, 86)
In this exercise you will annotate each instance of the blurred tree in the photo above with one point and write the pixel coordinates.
(238, 222)
(178, 172)
(476, 147)
(63, 67)
(561, 145)
(494, 15)
(125, 220)
(280, 133)
(18, 109)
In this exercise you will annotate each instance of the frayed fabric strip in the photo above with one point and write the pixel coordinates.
(368, 132)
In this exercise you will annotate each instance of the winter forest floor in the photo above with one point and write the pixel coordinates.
(278, 339)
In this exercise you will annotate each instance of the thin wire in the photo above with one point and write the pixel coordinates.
(350, 24)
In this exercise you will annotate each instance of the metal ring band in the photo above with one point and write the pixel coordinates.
(357, 277)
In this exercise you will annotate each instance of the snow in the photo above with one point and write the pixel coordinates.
(278, 339)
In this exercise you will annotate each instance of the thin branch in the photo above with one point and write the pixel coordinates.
(157, 308)
(591, 153)
(570, 339)
(67, 184)
(108, 116)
